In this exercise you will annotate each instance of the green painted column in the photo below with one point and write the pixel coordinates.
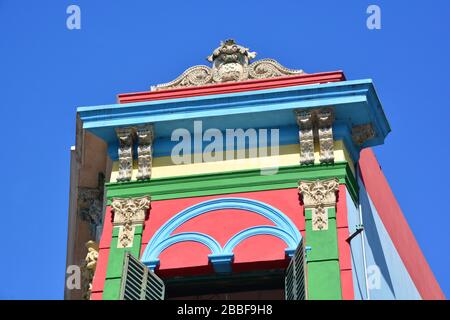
(129, 216)
(323, 273)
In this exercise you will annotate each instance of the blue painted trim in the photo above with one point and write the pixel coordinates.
(221, 258)
(227, 95)
(202, 238)
(290, 252)
(260, 230)
(221, 262)
(355, 102)
(288, 135)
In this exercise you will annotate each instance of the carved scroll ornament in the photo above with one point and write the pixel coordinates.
(230, 62)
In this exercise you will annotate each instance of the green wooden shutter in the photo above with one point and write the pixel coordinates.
(138, 282)
(295, 277)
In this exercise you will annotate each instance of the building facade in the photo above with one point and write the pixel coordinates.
(240, 180)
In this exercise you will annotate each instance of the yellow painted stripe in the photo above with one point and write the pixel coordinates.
(289, 155)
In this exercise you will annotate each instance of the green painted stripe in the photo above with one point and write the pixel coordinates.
(231, 182)
(323, 243)
(111, 290)
(324, 279)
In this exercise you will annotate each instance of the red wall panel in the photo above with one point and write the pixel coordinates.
(222, 225)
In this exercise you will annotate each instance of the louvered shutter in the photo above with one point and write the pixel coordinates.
(295, 277)
(138, 282)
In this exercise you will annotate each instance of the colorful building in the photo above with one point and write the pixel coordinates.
(243, 180)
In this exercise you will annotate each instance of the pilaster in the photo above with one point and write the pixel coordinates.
(319, 199)
(128, 220)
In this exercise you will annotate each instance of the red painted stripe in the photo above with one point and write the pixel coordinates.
(345, 263)
(105, 240)
(230, 87)
(96, 295)
(397, 227)
(100, 271)
(102, 262)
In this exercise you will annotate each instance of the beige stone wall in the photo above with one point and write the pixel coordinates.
(88, 159)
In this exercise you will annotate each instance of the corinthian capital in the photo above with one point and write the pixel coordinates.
(319, 196)
(129, 212)
(319, 192)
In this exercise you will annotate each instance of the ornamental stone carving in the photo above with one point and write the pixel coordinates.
(90, 206)
(319, 196)
(125, 136)
(362, 133)
(230, 62)
(88, 268)
(316, 125)
(306, 136)
(325, 118)
(145, 145)
(129, 212)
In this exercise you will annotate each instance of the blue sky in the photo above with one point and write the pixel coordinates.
(46, 71)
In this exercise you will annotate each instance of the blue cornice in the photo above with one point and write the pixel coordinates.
(355, 103)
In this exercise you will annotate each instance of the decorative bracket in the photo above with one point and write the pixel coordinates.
(316, 124)
(362, 133)
(125, 136)
(306, 136)
(145, 149)
(325, 118)
(90, 206)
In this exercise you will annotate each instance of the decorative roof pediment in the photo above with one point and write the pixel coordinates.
(230, 63)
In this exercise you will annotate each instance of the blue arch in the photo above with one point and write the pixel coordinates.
(152, 260)
(284, 229)
(256, 231)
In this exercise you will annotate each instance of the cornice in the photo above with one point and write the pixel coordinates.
(354, 102)
(232, 87)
